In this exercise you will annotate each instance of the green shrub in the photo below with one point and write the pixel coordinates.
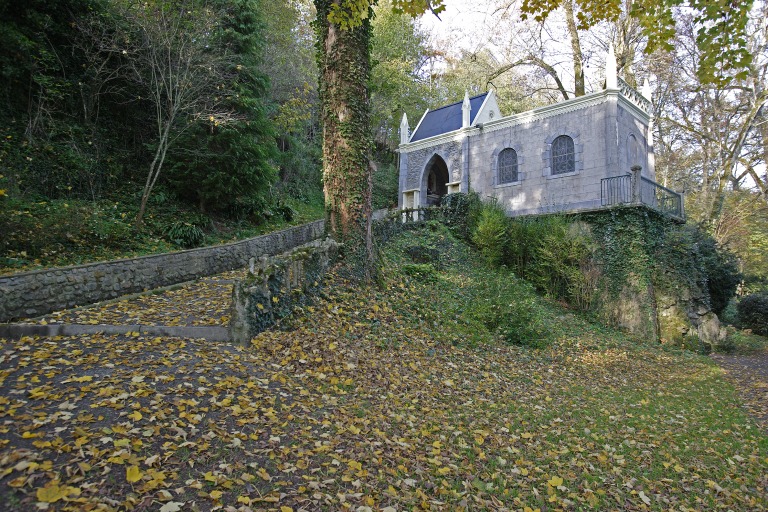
(510, 308)
(461, 212)
(184, 234)
(33, 230)
(722, 270)
(421, 271)
(555, 254)
(753, 313)
(730, 315)
(490, 235)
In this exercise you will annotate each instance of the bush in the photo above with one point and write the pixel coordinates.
(44, 229)
(420, 271)
(555, 254)
(184, 234)
(753, 313)
(722, 271)
(491, 235)
(460, 213)
(511, 308)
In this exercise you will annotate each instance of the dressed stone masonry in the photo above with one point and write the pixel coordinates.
(40, 292)
(557, 158)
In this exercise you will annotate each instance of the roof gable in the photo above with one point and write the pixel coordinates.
(446, 119)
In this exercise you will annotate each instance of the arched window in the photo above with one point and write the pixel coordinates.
(563, 155)
(507, 171)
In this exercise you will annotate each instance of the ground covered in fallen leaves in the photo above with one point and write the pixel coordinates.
(749, 373)
(385, 398)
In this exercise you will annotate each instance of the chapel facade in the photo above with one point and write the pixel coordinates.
(581, 154)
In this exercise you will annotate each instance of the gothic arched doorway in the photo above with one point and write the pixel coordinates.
(436, 174)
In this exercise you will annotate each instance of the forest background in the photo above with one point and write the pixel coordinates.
(130, 128)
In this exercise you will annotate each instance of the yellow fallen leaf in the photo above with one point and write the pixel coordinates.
(286, 509)
(135, 416)
(244, 499)
(172, 506)
(50, 493)
(444, 470)
(555, 481)
(216, 494)
(133, 474)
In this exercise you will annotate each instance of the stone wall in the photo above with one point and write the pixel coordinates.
(40, 292)
(276, 285)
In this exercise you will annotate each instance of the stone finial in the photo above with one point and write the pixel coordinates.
(404, 130)
(465, 111)
(611, 79)
(646, 90)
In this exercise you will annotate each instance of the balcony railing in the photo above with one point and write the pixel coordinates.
(661, 198)
(616, 190)
(628, 189)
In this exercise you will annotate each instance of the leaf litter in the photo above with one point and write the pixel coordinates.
(361, 406)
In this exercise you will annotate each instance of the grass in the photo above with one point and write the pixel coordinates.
(402, 396)
(743, 342)
(55, 233)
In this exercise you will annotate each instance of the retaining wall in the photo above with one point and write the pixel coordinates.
(40, 292)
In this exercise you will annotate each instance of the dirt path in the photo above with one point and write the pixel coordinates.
(749, 374)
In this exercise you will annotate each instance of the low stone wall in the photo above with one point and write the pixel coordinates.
(276, 285)
(40, 292)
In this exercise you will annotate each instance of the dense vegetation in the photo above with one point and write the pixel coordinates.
(108, 149)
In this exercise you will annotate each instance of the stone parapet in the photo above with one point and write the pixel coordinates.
(40, 292)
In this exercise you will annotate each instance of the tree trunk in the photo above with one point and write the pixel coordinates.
(578, 58)
(344, 65)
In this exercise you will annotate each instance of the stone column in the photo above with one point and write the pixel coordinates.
(636, 184)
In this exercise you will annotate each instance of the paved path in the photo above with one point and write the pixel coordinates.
(749, 374)
(198, 309)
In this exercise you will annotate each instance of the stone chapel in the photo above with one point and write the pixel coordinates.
(581, 154)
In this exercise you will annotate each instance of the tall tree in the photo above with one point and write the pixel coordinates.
(220, 164)
(344, 37)
(170, 48)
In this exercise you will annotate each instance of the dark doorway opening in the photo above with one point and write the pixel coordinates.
(437, 180)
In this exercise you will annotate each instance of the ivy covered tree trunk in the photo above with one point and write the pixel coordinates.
(344, 65)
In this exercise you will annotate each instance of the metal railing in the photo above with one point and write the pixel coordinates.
(661, 198)
(626, 190)
(616, 190)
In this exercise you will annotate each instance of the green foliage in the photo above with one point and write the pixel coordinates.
(510, 307)
(721, 268)
(461, 212)
(421, 271)
(46, 229)
(214, 165)
(720, 29)
(551, 252)
(385, 186)
(555, 253)
(753, 312)
(490, 235)
(398, 83)
(741, 342)
(466, 302)
(184, 234)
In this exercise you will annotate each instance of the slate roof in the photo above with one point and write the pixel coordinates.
(446, 119)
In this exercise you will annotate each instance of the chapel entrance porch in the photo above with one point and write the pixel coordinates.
(436, 175)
